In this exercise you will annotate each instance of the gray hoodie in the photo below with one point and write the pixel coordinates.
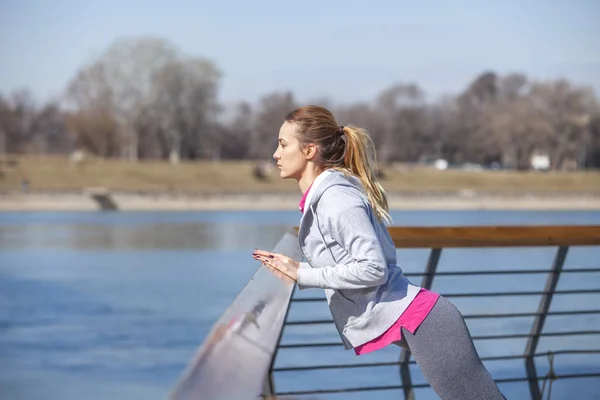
(351, 255)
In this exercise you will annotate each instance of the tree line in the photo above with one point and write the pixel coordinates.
(141, 98)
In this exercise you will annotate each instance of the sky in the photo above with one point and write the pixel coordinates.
(346, 51)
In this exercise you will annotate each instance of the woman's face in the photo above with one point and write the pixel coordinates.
(291, 160)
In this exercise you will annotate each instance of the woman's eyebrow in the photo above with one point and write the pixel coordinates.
(282, 140)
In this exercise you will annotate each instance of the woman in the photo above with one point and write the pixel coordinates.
(351, 255)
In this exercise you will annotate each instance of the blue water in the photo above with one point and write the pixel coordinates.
(113, 305)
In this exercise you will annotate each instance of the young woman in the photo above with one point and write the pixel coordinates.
(351, 256)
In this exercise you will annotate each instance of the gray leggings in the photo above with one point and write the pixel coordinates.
(444, 351)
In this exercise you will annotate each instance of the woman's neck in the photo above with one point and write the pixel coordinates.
(308, 177)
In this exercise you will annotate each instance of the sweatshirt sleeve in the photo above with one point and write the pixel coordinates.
(352, 229)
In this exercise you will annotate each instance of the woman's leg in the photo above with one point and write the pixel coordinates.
(444, 351)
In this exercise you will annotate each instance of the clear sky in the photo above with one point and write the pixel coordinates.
(345, 50)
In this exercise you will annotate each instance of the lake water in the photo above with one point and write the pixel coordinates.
(113, 305)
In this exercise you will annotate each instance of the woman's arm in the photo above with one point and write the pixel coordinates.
(351, 228)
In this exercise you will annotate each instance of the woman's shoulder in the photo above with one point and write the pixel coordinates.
(340, 197)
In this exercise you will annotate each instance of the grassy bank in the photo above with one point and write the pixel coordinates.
(57, 173)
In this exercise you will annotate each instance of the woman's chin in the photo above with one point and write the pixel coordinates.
(284, 175)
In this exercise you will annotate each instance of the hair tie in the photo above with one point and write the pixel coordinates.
(341, 134)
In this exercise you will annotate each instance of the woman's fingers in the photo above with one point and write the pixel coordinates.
(277, 272)
(270, 255)
(277, 262)
(276, 265)
(266, 256)
(263, 253)
(262, 258)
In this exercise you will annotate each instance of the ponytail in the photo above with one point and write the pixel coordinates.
(360, 160)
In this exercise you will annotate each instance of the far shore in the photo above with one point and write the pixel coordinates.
(19, 202)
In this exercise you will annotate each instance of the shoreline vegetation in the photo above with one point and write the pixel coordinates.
(57, 184)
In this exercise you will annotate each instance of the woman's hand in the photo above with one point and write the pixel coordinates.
(278, 262)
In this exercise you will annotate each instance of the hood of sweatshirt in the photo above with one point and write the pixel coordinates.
(334, 178)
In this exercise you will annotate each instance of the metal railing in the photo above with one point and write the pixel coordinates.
(438, 238)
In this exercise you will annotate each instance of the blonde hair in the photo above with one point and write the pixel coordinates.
(349, 149)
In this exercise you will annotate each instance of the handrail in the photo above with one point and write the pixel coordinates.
(495, 236)
(234, 360)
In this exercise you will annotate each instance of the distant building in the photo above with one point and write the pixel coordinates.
(441, 164)
(540, 161)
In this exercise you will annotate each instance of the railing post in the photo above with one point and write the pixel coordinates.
(538, 323)
(430, 269)
(269, 391)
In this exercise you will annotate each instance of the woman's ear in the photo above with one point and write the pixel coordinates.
(310, 151)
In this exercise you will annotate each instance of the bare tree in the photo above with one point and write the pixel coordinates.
(50, 134)
(271, 114)
(19, 121)
(515, 129)
(122, 80)
(568, 109)
(160, 101)
(184, 109)
(592, 155)
(401, 111)
(238, 132)
(445, 129)
(95, 131)
(512, 87)
(365, 116)
(5, 116)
